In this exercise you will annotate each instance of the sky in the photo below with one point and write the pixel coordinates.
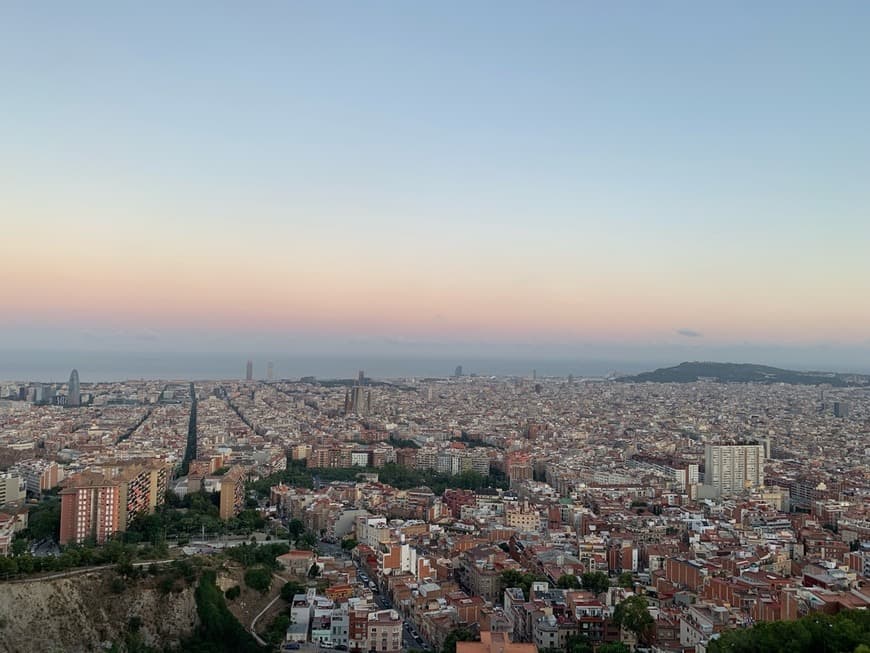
(535, 178)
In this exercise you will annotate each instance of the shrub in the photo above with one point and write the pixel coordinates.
(258, 578)
(166, 584)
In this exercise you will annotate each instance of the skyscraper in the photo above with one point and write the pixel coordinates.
(458, 371)
(249, 371)
(74, 396)
(361, 377)
(270, 371)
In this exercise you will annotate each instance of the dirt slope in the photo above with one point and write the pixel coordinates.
(81, 613)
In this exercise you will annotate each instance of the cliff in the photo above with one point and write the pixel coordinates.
(85, 612)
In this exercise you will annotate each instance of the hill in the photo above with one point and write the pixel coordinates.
(83, 612)
(690, 372)
(172, 608)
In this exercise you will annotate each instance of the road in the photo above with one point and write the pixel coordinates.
(85, 570)
(383, 602)
(253, 628)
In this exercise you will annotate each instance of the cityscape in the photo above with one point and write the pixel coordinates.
(450, 327)
(408, 513)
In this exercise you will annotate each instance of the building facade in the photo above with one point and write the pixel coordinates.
(90, 509)
(732, 468)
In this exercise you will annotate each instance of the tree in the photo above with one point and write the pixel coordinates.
(19, 546)
(349, 544)
(845, 632)
(458, 635)
(43, 520)
(625, 580)
(568, 582)
(308, 541)
(614, 647)
(277, 629)
(295, 527)
(291, 589)
(314, 571)
(595, 581)
(218, 629)
(514, 578)
(633, 615)
(8, 567)
(259, 578)
(577, 644)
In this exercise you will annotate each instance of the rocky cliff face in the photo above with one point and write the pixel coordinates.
(82, 613)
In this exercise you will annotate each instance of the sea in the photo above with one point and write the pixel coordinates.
(94, 366)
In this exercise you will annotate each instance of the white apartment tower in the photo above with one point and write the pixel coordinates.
(732, 468)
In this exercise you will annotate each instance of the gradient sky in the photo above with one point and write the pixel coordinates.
(544, 175)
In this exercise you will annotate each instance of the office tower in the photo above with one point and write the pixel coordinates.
(732, 468)
(74, 395)
(458, 371)
(270, 370)
(361, 377)
(249, 371)
(841, 409)
(534, 375)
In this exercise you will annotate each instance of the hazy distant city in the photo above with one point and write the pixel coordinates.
(413, 512)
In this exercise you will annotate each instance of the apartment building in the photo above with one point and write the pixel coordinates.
(39, 475)
(12, 488)
(96, 505)
(732, 468)
(385, 631)
(495, 643)
(143, 488)
(90, 508)
(232, 491)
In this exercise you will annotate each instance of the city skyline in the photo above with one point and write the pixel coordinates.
(667, 184)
